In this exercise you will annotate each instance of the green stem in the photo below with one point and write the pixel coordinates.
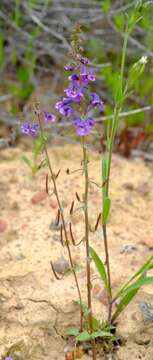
(123, 58)
(110, 143)
(88, 270)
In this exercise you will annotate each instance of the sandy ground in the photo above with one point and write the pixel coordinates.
(35, 308)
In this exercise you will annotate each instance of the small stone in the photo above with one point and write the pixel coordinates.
(39, 197)
(100, 293)
(128, 248)
(148, 241)
(15, 206)
(128, 186)
(3, 225)
(61, 265)
(144, 188)
(142, 339)
(53, 204)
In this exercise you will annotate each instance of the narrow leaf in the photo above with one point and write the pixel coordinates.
(100, 266)
(101, 333)
(104, 176)
(145, 267)
(26, 160)
(73, 331)
(106, 209)
(84, 336)
(124, 302)
(139, 283)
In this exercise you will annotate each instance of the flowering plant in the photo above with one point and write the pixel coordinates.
(78, 106)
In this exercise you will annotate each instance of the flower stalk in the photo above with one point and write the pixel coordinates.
(88, 269)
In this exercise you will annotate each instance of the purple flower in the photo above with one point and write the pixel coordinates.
(90, 121)
(77, 121)
(33, 129)
(63, 102)
(25, 128)
(91, 75)
(84, 61)
(64, 108)
(28, 129)
(96, 101)
(84, 75)
(69, 67)
(8, 358)
(48, 117)
(74, 92)
(73, 77)
(83, 127)
(87, 76)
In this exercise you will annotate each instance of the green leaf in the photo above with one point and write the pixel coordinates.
(95, 323)
(106, 209)
(119, 22)
(73, 331)
(106, 6)
(145, 267)
(136, 70)
(101, 333)
(139, 283)
(26, 160)
(104, 176)
(124, 302)
(38, 145)
(100, 266)
(84, 336)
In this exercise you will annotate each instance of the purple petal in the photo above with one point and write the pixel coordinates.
(90, 121)
(82, 130)
(33, 130)
(69, 67)
(25, 128)
(76, 121)
(48, 117)
(66, 110)
(84, 60)
(73, 77)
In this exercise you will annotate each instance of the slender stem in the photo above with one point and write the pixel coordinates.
(123, 58)
(108, 273)
(63, 222)
(88, 270)
(110, 143)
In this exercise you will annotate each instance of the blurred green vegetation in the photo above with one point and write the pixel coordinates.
(28, 28)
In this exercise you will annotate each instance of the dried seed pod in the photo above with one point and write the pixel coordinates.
(71, 208)
(58, 217)
(71, 234)
(97, 222)
(46, 184)
(61, 235)
(56, 176)
(67, 171)
(77, 196)
(54, 272)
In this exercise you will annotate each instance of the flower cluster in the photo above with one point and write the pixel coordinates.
(78, 100)
(32, 130)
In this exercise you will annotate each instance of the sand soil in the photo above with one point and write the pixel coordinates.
(35, 308)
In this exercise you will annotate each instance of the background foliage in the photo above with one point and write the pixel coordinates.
(35, 40)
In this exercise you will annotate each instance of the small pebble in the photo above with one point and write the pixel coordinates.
(39, 197)
(61, 265)
(3, 225)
